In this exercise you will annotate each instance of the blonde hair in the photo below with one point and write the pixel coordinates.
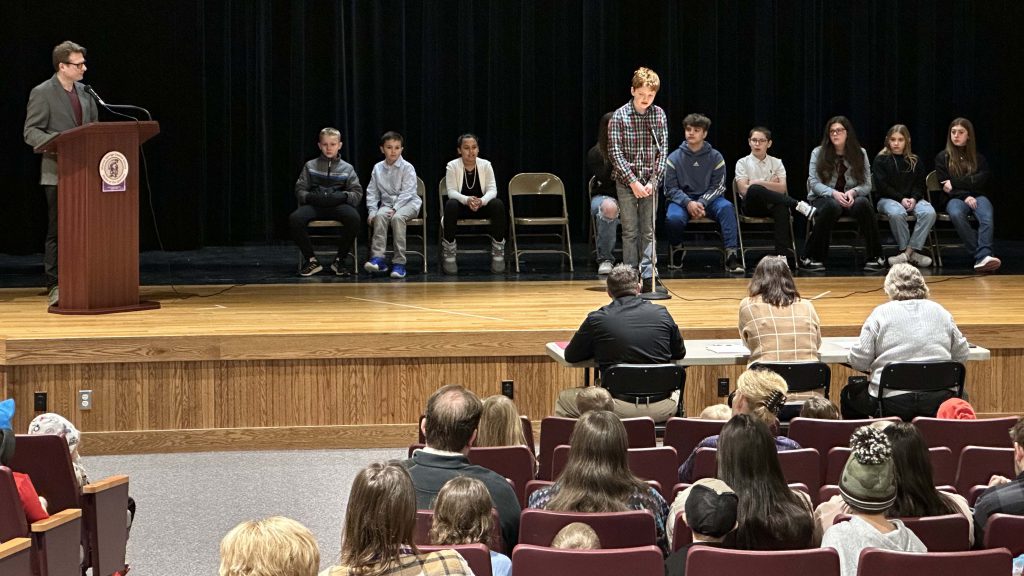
(716, 412)
(765, 391)
(645, 77)
(594, 398)
(462, 513)
(905, 282)
(275, 546)
(905, 132)
(576, 536)
(329, 132)
(500, 424)
(380, 519)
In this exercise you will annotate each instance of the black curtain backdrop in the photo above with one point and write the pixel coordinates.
(241, 88)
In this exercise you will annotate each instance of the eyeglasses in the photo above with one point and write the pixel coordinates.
(76, 64)
(837, 130)
(758, 140)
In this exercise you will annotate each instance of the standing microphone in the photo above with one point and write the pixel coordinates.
(657, 292)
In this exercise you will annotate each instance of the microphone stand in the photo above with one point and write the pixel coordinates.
(657, 292)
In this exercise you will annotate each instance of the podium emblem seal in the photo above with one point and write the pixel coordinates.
(114, 171)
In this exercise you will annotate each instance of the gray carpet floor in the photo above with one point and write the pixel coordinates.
(187, 502)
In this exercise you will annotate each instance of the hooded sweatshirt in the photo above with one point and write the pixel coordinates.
(694, 176)
(849, 538)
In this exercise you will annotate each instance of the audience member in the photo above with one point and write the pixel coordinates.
(964, 175)
(33, 505)
(594, 398)
(450, 427)
(576, 536)
(709, 508)
(597, 476)
(604, 208)
(1004, 496)
(761, 189)
(868, 486)
(908, 328)
(327, 189)
(819, 407)
(759, 393)
(839, 184)
(500, 424)
(379, 527)
(956, 409)
(637, 148)
(462, 515)
(695, 188)
(776, 324)
(899, 186)
(629, 330)
(716, 412)
(771, 516)
(391, 200)
(472, 193)
(275, 546)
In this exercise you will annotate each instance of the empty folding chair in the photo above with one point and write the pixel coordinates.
(539, 184)
(530, 560)
(874, 561)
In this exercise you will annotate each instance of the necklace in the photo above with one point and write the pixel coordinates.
(466, 173)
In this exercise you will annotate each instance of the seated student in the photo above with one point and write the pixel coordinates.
(761, 185)
(472, 193)
(759, 393)
(604, 208)
(383, 497)
(964, 175)
(327, 189)
(500, 424)
(275, 546)
(770, 515)
(709, 508)
(576, 536)
(594, 398)
(716, 412)
(695, 188)
(462, 515)
(1003, 496)
(391, 199)
(908, 328)
(868, 486)
(956, 409)
(597, 476)
(899, 184)
(820, 408)
(839, 178)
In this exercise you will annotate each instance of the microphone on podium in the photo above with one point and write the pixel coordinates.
(110, 107)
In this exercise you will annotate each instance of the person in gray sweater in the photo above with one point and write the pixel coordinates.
(868, 485)
(907, 328)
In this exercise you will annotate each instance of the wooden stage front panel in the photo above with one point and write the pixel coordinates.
(351, 365)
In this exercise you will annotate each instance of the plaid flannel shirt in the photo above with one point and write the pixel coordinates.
(638, 144)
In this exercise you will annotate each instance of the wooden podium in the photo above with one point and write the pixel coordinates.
(98, 216)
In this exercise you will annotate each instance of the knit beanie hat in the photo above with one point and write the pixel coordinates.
(956, 409)
(868, 482)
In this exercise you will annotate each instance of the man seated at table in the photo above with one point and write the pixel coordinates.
(628, 330)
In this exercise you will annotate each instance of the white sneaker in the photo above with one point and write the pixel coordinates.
(988, 264)
(900, 258)
(53, 296)
(920, 260)
(605, 268)
(806, 209)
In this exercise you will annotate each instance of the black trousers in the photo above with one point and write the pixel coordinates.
(762, 202)
(855, 402)
(299, 220)
(828, 212)
(50, 248)
(495, 210)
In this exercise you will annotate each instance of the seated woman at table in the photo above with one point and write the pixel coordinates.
(908, 328)
(776, 324)
(759, 393)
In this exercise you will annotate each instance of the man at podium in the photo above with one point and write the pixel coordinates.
(58, 104)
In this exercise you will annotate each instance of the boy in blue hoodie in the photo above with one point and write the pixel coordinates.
(695, 188)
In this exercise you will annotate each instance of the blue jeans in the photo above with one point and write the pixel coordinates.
(720, 210)
(897, 215)
(978, 243)
(604, 228)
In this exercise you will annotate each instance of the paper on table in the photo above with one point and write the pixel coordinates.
(728, 349)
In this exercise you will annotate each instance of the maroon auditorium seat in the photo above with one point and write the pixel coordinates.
(684, 434)
(709, 561)
(615, 529)
(874, 562)
(529, 560)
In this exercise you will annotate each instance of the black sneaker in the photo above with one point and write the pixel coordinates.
(733, 263)
(338, 266)
(809, 265)
(311, 267)
(875, 265)
(647, 286)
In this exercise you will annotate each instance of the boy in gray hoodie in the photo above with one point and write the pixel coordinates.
(695, 188)
(868, 485)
